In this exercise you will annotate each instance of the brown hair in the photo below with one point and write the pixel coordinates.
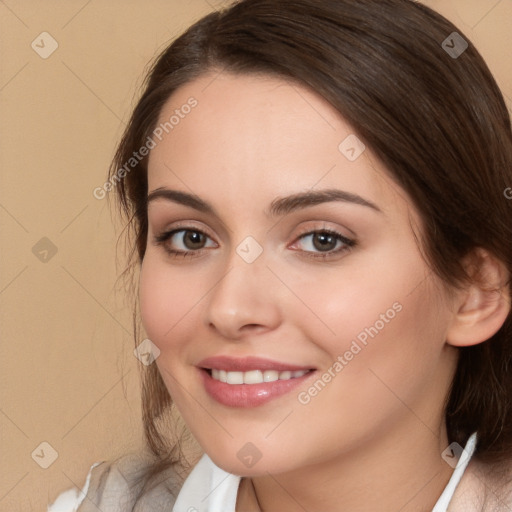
(437, 121)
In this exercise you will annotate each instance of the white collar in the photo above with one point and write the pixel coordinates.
(209, 488)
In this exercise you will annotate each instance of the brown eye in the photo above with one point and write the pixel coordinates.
(324, 241)
(183, 242)
(193, 239)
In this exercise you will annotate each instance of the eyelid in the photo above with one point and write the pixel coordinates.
(323, 226)
(326, 228)
(188, 225)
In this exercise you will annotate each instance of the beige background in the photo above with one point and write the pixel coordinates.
(68, 374)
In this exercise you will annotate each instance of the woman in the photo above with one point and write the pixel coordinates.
(317, 198)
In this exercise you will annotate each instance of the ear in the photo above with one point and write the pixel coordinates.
(483, 307)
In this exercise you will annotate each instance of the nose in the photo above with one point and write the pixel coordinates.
(245, 300)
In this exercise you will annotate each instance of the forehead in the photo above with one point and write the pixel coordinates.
(261, 136)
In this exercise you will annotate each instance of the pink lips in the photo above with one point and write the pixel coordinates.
(248, 395)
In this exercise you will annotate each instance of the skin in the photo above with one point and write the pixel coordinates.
(372, 438)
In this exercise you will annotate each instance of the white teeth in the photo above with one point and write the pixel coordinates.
(255, 376)
(219, 375)
(270, 375)
(235, 377)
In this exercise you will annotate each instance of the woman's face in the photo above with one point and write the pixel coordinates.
(355, 307)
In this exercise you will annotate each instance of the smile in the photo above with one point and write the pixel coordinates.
(243, 382)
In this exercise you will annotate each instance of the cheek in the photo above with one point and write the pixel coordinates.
(165, 300)
(152, 300)
(378, 317)
(359, 300)
(374, 367)
(391, 345)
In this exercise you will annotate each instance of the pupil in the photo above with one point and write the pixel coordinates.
(325, 239)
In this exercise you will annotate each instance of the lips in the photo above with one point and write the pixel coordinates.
(242, 393)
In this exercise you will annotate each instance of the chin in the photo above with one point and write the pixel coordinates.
(259, 468)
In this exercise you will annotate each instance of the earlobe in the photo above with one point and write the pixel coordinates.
(484, 306)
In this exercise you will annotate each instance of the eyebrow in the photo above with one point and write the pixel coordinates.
(279, 206)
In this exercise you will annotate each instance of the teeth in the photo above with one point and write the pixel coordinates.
(270, 375)
(255, 376)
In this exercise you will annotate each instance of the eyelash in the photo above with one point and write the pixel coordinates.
(162, 238)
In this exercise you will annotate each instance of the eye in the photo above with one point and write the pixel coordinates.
(189, 241)
(325, 243)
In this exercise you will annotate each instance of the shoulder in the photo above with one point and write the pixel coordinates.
(119, 485)
(484, 488)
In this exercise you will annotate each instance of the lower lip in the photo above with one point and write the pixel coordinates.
(249, 395)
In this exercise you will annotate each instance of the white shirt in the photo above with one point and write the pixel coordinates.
(209, 488)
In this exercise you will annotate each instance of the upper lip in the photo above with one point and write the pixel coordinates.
(246, 364)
